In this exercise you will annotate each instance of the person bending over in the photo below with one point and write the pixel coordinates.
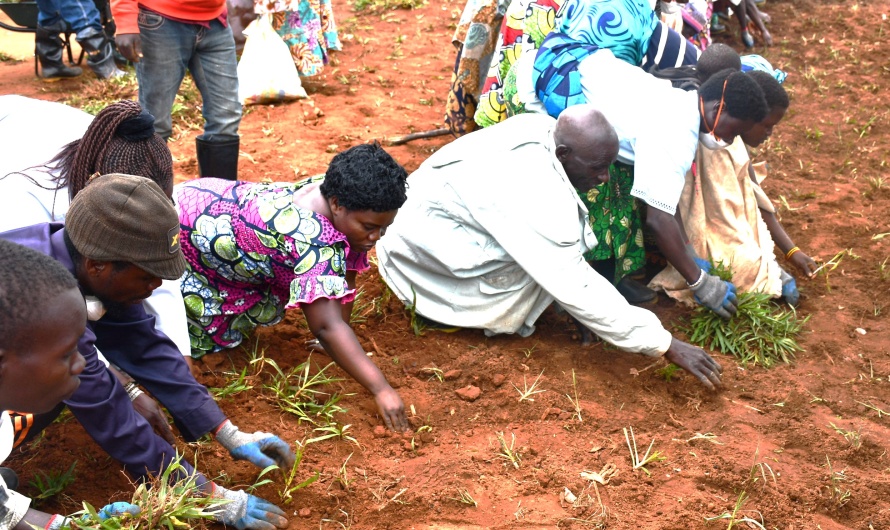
(493, 232)
(255, 250)
(42, 316)
(120, 239)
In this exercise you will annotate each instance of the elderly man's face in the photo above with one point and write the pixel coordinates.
(587, 168)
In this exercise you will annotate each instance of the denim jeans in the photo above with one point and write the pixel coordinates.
(81, 15)
(168, 49)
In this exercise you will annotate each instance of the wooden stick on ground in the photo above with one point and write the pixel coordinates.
(399, 140)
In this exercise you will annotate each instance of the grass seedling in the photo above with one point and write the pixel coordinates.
(233, 387)
(529, 351)
(761, 332)
(171, 501)
(760, 470)
(668, 372)
(290, 486)
(837, 495)
(829, 266)
(464, 497)
(870, 405)
(433, 373)
(853, 437)
(48, 485)
(526, 393)
(736, 517)
(884, 270)
(333, 431)
(576, 403)
(260, 481)
(297, 392)
(508, 453)
(648, 458)
(417, 324)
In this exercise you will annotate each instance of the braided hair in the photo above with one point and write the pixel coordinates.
(121, 139)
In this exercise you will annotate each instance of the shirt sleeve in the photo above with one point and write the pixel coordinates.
(13, 507)
(126, 14)
(319, 273)
(546, 243)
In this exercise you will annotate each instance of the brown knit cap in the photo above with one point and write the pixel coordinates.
(127, 218)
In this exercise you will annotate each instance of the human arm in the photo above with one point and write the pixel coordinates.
(147, 407)
(754, 14)
(325, 319)
(126, 14)
(347, 307)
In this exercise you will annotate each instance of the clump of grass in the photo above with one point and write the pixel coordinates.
(636, 460)
(171, 501)
(508, 452)
(301, 393)
(761, 331)
(48, 485)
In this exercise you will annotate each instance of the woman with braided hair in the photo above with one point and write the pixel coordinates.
(120, 139)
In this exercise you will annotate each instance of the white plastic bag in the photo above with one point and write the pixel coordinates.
(266, 71)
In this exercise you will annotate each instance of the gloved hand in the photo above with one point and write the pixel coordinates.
(245, 511)
(260, 448)
(116, 509)
(789, 288)
(715, 294)
(702, 263)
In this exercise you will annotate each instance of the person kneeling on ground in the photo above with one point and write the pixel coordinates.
(42, 316)
(729, 218)
(493, 232)
(254, 250)
(120, 239)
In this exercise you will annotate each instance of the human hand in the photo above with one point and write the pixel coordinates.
(702, 263)
(116, 509)
(717, 295)
(130, 46)
(804, 263)
(695, 361)
(149, 409)
(767, 38)
(789, 288)
(245, 511)
(392, 409)
(260, 448)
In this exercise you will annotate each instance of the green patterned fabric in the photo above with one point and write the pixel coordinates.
(616, 223)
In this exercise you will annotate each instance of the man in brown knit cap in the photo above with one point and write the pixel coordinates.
(120, 241)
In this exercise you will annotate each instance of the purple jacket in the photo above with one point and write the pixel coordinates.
(130, 341)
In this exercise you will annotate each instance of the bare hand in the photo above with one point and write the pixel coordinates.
(392, 409)
(695, 361)
(151, 411)
(804, 263)
(767, 38)
(587, 337)
(130, 46)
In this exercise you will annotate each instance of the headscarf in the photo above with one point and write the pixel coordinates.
(622, 26)
(756, 62)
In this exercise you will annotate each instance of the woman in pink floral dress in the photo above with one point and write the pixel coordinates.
(254, 250)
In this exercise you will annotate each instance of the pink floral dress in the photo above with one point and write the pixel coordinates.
(252, 253)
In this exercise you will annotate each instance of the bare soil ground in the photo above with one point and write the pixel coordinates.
(828, 175)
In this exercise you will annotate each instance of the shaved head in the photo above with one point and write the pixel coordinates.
(586, 145)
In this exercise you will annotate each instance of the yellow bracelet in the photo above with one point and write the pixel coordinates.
(791, 252)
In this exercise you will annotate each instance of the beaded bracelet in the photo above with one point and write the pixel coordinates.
(791, 252)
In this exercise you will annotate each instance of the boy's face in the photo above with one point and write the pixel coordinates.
(763, 130)
(45, 371)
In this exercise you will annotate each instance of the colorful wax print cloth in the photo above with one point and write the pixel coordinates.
(615, 220)
(308, 29)
(526, 24)
(623, 26)
(252, 253)
(475, 38)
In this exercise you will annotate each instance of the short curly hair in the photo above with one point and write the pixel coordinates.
(716, 58)
(366, 177)
(775, 95)
(29, 281)
(742, 97)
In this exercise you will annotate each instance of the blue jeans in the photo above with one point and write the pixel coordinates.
(168, 49)
(81, 15)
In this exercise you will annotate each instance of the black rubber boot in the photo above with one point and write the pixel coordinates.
(218, 159)
(49, 48)
(10, 478)
(100, 55)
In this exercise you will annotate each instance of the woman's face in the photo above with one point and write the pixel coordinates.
(760, 132)
(362, 228)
